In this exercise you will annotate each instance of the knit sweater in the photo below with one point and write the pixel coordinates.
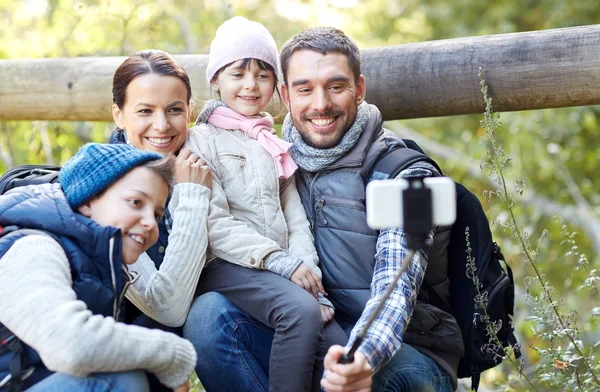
(166, 294)
(68, 337)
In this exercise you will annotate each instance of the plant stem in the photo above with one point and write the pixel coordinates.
(498, 167)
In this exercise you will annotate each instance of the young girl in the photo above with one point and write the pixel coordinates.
(266, 262)
(62, 284)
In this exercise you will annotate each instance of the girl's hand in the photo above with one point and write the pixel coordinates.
(304, 277)
(190, 168)
(326, 313)
(185, 387)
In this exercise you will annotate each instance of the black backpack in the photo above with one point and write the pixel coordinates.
(28, 175)
(15, 356)
(22, 175)
(499, 285)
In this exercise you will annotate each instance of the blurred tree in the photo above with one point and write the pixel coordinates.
(554, 151)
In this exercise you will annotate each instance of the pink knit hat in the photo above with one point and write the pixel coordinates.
(237, 39)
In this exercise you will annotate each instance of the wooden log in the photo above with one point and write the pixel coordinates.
(78, 89)
(524, 71)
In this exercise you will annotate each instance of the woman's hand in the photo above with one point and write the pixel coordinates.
(305, 277)
(185, 387)
(190, 168)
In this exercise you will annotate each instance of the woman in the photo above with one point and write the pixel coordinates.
(152, 105)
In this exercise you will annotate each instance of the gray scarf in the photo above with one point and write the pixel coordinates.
(315, 159)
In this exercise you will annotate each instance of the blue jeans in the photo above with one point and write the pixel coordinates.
(411, 371)
(291, 314)
(100, 382)
(233, 348)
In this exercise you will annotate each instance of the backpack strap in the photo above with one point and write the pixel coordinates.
(413, 145)
(397, 159)
(388, 166)
(436, 299)
(10, 234)
(15, 367)
(9, 342)
(512, 339)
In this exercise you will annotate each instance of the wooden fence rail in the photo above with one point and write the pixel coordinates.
(533, 70)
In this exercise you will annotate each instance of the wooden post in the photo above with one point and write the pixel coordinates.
(533, 70)
(78, 89)
(524, 71)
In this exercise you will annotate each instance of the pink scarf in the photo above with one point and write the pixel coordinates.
(259, 129)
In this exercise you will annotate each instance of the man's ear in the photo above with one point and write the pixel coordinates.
(361, 89)
(285, 95)
(85, 209)
(118, 116)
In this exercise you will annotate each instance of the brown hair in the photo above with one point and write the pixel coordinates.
(165, 168)
(147, 62)
(323, 40)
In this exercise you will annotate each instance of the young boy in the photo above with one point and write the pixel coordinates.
(62, 283)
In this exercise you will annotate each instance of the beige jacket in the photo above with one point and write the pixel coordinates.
(252, 212)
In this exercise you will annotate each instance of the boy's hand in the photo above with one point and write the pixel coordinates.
(185, 387)
(326, 313)
(304, 277)
(355, 376)
(190, 168)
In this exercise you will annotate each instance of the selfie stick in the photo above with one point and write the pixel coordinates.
(349, 356)
(418, 221)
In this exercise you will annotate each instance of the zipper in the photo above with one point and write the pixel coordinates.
(113, 276)
(319, 211)
(240, 157)
(312, 222)
(499, 283)
(278, 191)
(119, 296)
(344, 203)
(131, 279)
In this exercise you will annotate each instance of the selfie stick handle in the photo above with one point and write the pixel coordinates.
(349, 356)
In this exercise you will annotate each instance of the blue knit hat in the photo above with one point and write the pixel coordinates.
(96, 166)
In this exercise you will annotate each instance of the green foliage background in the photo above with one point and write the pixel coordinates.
(554, 151)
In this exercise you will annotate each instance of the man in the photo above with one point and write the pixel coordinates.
(337, 138)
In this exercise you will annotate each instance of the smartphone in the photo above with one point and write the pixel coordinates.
(384, 202)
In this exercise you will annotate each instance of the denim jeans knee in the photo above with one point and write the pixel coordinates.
(233, 348)
(411, 371)
(100, 382)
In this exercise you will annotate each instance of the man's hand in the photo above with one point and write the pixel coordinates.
(304, 277)
(326, 313)
(351, 377)
(190, 168)
(185, 387)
